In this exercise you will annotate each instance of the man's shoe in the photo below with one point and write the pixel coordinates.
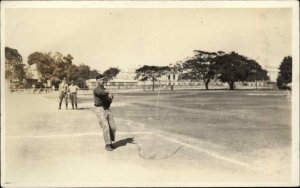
(112, 146)
(108, 148)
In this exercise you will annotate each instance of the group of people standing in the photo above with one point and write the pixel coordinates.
(102, 102)
(68, 91)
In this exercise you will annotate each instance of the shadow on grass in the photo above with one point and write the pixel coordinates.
(123, 142)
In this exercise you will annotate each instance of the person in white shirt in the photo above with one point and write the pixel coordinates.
(73, 94)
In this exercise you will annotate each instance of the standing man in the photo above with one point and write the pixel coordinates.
(105, 117)
(73, 94)
(63, 93)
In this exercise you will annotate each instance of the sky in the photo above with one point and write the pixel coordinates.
(132, 37)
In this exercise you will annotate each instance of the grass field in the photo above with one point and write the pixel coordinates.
(248, 123)
(253, 126)
(242, 121)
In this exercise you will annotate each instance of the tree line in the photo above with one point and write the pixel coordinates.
(51, 66)
(203, 66)
(226, 67)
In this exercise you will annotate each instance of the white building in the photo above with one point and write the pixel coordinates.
(272, 72)
(91, 83)
(124, 78)
(126, 75)
(171, 77)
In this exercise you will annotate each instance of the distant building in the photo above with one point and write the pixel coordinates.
(126, 74)
(124, 78)
(122, 82)
(171, 77)
(91, 83)
(272, 72)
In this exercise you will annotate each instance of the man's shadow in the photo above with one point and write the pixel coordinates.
(83, 108)
(123, 142)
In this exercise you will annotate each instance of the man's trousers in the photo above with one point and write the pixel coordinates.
(107, 123)
(63, 95)
(73, 97)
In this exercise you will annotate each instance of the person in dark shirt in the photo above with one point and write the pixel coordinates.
(105, 117)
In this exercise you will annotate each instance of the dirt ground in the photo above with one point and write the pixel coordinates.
(182, 138)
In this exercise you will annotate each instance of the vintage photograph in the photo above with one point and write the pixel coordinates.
(149, 93)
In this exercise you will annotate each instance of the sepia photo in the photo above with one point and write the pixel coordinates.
(149, 93)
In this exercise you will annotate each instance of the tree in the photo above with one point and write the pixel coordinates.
(111, 73)
(14, 67)
(233, 67)
(68, 59)
(201, 67)
(83, 71)
(83, 74)
(285, 73)
(55, 67)
(62, 66)
(93, 74)
(19, 72)
(59, 71)
(44, 64)
(68, 63)
(12, 56)
(52, 66)
(255, 72)
(73, 73)
(151, 73)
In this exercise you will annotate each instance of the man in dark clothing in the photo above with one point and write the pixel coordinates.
(105, 117)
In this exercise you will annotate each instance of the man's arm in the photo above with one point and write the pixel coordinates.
(100, 93)
(111, 97)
